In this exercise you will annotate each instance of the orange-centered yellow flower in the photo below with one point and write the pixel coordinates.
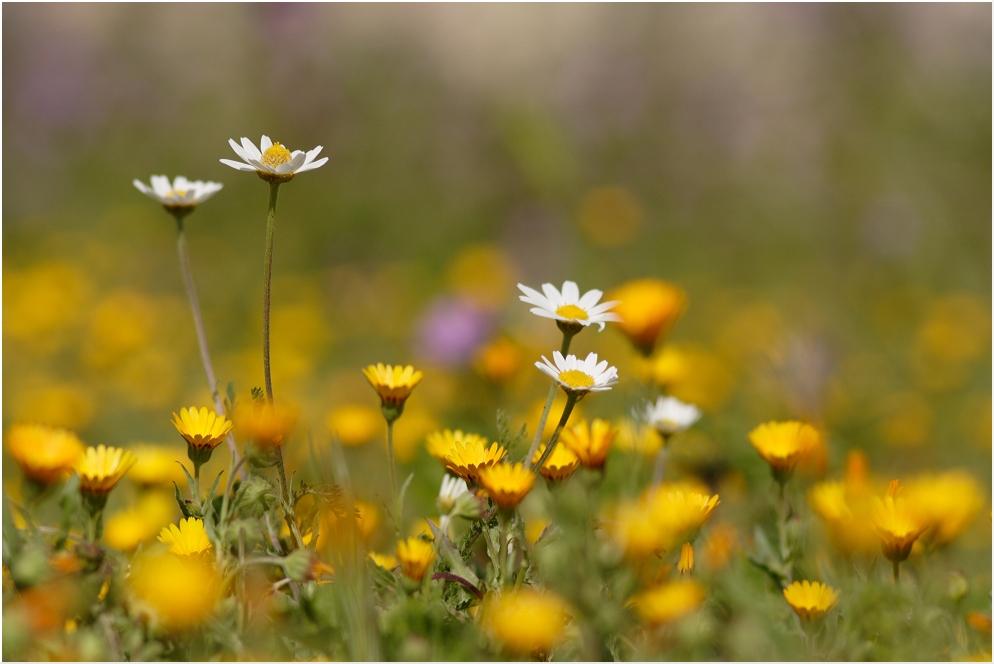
(590, 442)
(897, 524)
(648, 309)
(178, 591)
(525, 621)
(266, 424)
(201, 428)
(782, 444)
(560, 465)
(101, 468)
(467, 459)
(415, 556)
(506, 483)
(441, 443)
(43, 453)
(810, 600)
(394, 384)
(668, 602)
(190, 539)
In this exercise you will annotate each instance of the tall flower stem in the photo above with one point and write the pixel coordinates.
(571, 399)
(567, 339)
(274, 194)
(393, 478)
(198, 321)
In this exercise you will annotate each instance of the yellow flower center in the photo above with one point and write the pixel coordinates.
(275, 155)
(576, 378)
(178, 192)
(572, 311)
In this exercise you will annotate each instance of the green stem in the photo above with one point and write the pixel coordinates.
(287, 500)
(198, 320)
(897, 570)
(502, 551)
(657, 475)
(567, 339)
(571, 399)
(274, 193)
(398, 508)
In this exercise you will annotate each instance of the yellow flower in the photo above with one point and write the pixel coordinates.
(560, 465)
(367, 520)
(660, 520)
(467, 459)
(394, 384)
(686, 564)
(947, 503)
(640, 439)
(442, 443)
(782, 444)
(384, 560)
(589, 442)
(648, 309)
(897, 525)
(266, 424)
(179, 591)
(155, 465)
(506, 483)
(201, 428)
(101, 468)
(632, 529)
(415, 556)
(810, 600)
(43, 453)
(668, 602)
(354, 424)
(190, 539)
(126, 530)
(498, 361)
(526, 621)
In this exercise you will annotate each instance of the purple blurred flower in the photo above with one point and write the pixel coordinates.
(451, 330)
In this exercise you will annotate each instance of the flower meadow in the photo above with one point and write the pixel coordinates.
(606, 462)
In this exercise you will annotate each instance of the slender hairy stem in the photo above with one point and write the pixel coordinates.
(274, 194)
(567, 338)
(198, 322)
(398, 508)
(287, 499)
(571, 400)
(504, 543)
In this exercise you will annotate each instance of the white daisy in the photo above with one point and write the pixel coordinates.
(669, 416)
(580, 376)
(273, 161)
(182, 193)
(452, 488)
(568, 306)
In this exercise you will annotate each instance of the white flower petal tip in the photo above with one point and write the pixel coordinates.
(669, 415)
(271, 160)
(180, 193)
(577, 376)
(568, 306)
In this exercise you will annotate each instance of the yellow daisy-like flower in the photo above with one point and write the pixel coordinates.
(810, 600)
(266, 424)
(668, 602)
(442, 443)
(384, 560)
(43, 453)
(590, 442)
(648, 309)
(467, 459)
(415, 556)
(507, 484)
(898, 526)
(782, 444)
(126, 530)
(201, 428)
(847, 516)
(178, 591)
(190, 539)
(355, 424)
(677, 515)
(394, 384)
(156, 465)
(686, 564)
(560, 465)
(101, 468)
(526, 621)
(947, 502)
(638, 438)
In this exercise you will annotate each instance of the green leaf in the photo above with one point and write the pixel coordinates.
(182, 503)
(190, 482)
(448, 551)
(213, 489)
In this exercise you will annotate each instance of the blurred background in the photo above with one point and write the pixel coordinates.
(816, 177)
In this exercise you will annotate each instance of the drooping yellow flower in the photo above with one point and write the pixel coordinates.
(44, 453)
(201, 428)
(178, 591)
(590, 442)
(525, 621)
(415, 556)
(560, 465)
(668, 602)
(507, 483)
(155, 465)
(190, 539)
(384, 560)
(810, 601)
(947, 502)
(897, 524)
(266, 424)
(782, 444)
(648, 309)
(467, 459)
(126, 530)
(441, 443)
(355, 424)
(686, 564)
(101, 468)
(394, 384)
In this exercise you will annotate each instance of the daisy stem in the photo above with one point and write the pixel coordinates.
(571, 400)
(274, 194)
(393, 478)
(198, 322)
(567, 339)
(657, 475)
